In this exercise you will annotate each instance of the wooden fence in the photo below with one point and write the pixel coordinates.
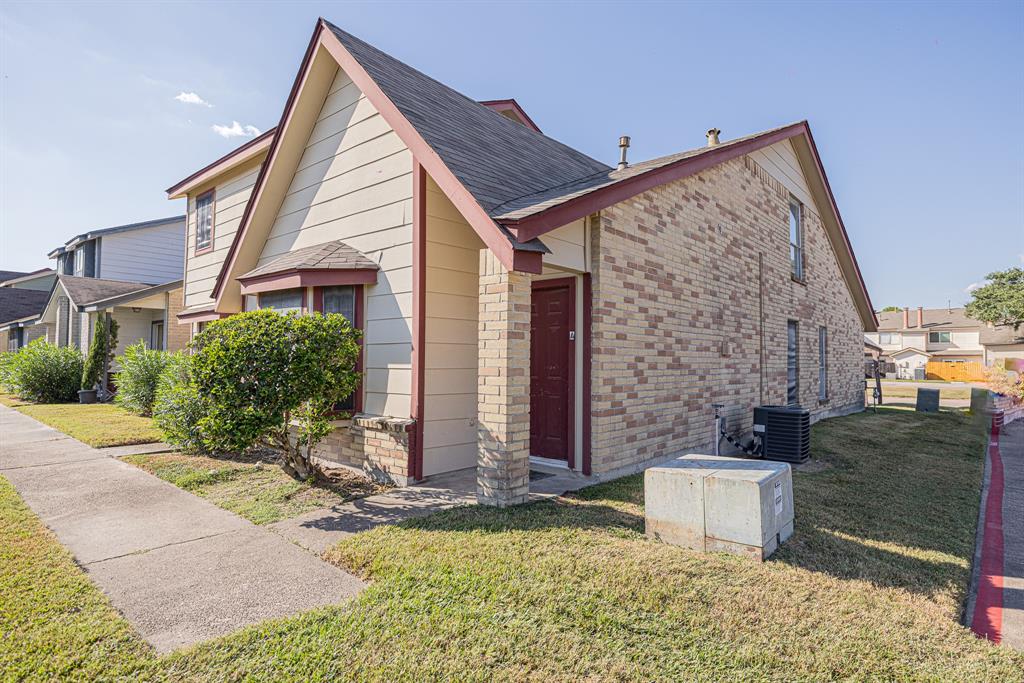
(955, 372)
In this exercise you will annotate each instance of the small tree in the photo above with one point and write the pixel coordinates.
(101, 351)
(273, 379)
(890, 309)
(1001, 300)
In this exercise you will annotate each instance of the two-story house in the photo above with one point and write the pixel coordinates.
(522, 304)
(911, 339)
(132, 273)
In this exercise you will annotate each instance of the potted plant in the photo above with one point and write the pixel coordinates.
(101, 352)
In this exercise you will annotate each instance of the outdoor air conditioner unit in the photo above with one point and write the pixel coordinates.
(785, 432)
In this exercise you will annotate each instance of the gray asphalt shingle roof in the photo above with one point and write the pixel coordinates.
(86, 290)
(521, 207)
(495, 158)
(334, 255)
(934, 319)
(18, 303)
(1004, 334)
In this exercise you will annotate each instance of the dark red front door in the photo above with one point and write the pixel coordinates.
(551, 368)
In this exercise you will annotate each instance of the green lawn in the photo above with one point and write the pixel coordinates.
(869, 587)
(911, 392)
(258, 490)
(98, 424)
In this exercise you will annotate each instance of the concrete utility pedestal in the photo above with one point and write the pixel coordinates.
(712, 503)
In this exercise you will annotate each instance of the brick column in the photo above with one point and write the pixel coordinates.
(503, 385)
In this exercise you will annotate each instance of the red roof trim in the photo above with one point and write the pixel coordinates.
(257, 191)
(319, 277)
(257, 141)
(513, 106)
(536, 225)
(423, 154)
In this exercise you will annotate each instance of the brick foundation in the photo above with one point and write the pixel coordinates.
(376, 446)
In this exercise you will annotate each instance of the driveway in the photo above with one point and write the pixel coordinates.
(179, 568)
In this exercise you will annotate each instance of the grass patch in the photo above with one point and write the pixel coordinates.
(10, 400)
(911, 392)
(869, 587)
(255, 488)
(98, 424)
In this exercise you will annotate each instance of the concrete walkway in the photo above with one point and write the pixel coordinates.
(995, 608)
(179, 568)
(318, 530)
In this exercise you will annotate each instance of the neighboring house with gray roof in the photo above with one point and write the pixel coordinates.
(148, 251)
(140, 309)
(22, 298)
(911, 338)
(522, 304)
(129, 259)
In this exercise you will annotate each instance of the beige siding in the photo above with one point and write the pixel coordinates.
(354, 183)
(567, 245)
(450, 384)
(231, 196)
(780, 161)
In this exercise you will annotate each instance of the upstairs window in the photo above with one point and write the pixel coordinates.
(938, 337)
(796, 238)
(204, 222)
(79, 261)
(889, 338)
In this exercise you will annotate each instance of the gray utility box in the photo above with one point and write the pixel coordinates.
(713, 503)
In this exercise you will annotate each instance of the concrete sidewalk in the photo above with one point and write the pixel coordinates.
(179, 568)
(995, 608)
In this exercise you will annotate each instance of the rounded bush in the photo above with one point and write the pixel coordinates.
(44, 373)
(140, 370)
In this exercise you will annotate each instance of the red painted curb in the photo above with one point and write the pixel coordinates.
(987, 620)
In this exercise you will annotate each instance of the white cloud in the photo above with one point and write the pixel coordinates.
(236, 130)
(971, 287)
(191, 98)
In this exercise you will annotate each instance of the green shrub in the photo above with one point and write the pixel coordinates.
(140, 370)
(44, 373)
(101, 352)
(265, 377)
(178, 408)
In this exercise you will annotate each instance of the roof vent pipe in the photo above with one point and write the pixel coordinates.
(713, 137)
(623, 146)
(906, 318)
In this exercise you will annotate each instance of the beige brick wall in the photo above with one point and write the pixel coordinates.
(503, 384)
(376, 446)
(178, 334)
(677, 314)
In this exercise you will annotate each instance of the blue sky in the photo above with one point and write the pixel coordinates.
(917, 108)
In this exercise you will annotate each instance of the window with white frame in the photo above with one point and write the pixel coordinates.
(889, 338)
(938, 337)
(796, 237)
(79, 261)
(204, 221)
(822, 363)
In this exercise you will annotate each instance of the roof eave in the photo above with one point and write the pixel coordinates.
(236, 157)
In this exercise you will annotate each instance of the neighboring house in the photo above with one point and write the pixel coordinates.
(911, 339)
(522, 303)
(151, 252)
(22, 298)
(126, 259)
(140, 310)
(1003, 344)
